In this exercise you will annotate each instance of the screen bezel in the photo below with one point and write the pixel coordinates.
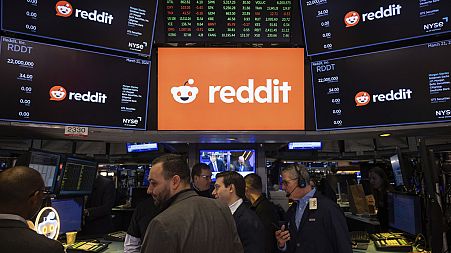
(79, 200)
(76, 193)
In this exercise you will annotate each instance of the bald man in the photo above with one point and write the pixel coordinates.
(21, 194)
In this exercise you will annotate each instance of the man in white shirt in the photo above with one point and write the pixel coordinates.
(230, 189)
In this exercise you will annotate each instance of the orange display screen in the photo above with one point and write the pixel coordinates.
(231, 89)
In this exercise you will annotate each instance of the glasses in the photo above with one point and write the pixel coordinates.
(205, 176)
(286, 182)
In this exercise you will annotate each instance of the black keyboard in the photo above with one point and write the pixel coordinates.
(393, 245)
(360, 236)
(118, 236)
(87, 247)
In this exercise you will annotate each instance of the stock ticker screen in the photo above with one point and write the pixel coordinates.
(395, 87)
(336, 25)
(119, 25)
(265, 21)
(58, 85)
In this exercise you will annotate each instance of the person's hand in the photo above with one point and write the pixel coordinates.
(85, 212)
(282, 236)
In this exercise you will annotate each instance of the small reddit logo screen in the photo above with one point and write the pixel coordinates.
(57, 93)
(230, 89)
(63, 9)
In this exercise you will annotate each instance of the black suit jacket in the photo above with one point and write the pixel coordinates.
(220, 164)
(99, 204)
(16, 237)
(250, 229)
(267, 213)
(323, 230)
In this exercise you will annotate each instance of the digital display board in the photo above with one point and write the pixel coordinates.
(119, 25)
(241, 161)
(228, 21)
(231, 89)
(395, 87)
(58, 85)
(142, 147)
(335, 25)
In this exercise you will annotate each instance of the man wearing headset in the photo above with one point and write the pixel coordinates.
(315, 223)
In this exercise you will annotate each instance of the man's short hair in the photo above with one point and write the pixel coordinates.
(173, 165)
(197, 169)
(233, 177)
(298, 170)
(17, 183)
(254, 181)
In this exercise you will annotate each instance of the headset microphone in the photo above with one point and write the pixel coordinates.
(289, 194)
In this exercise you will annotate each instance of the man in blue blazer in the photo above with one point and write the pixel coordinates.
(315, 223)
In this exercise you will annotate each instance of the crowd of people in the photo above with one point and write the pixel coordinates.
(188, 214)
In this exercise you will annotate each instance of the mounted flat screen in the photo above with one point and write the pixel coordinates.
(305, 145)
(336, 25)
(228, 21)
(396, 87)
(118, 25)
(57, 85)
(241, 161)
(142, 147)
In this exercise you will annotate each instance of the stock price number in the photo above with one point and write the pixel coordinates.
(323, 13)
(329, 79)
(333, 90)
(31, 27)
(338, 122)
(327, 46)
(336, 111)
(32, 2)
(31, 14)
(336, 101)
(20, 62)
(28, 77)
(26, 89)
(26, 102)
(325, 23)
(24, 114)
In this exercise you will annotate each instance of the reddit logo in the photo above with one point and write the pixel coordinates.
(352, 18)
(57, 93)
(63, 9)
(185, 94)
(362, 98)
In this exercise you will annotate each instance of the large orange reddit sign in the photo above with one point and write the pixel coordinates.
(230, 89)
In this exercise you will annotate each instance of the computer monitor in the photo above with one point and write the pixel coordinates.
(78, 177)
(404, 213)
(305, 145)
(47, 164)
(396, 167)
(239, 160)
(70, 212)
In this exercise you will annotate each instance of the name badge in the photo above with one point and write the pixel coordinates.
(313, 204)
(311, 219)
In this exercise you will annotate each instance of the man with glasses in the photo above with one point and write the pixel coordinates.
(316, 224)
(188, 222)
(201, 180)
(21, 195)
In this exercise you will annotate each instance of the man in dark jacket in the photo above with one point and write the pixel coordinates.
(201, 180)
(316, 224)
(21, 193)
(230, 189)
(264, 209)
(98, 219)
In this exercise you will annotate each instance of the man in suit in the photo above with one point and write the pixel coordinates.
(316, 224)
(21, 194)
(216, 165)
(242, 165)
(264, 209)
(230, 189)
(98, 221)
(201, 180)
(188, 222)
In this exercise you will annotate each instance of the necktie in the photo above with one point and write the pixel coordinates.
(215, 167)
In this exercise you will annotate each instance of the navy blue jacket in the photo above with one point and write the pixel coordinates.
(250, 230)
(323, 230)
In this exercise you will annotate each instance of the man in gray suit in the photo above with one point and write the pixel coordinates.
(188, 222)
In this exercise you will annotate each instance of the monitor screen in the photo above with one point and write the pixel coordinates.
(409, 85)
(404, 213)
(231, 89)
(47, 164)
(396, 166)
(47, 84)
(70, 212)
(336, 25)
(119, 25)
(304, 145)
(228, 21)
(142, 147)
(241, 161)
(78, 177)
